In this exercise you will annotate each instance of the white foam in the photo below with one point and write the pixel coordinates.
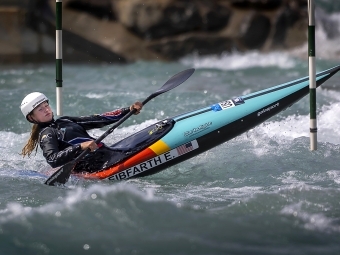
(74, 197)
(94, 95)
(295, 126)
(334, 175)
(310, 221)
(238, 61)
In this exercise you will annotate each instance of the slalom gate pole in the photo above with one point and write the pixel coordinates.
(312, 75)
(59, 57)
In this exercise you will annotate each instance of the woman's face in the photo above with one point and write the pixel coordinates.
(42, 113)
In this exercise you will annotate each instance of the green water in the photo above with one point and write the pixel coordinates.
(261, 193)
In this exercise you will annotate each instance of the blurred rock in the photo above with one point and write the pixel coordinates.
(215, 16)
(100, 9)
(155, 19)
(129, 30)
(254, 31)
(174, 47)
(329, 26)
(257, 4)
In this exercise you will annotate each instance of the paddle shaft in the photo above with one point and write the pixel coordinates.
(109, 131)
(128, 115)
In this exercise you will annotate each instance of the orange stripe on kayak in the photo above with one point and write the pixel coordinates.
(134, 160)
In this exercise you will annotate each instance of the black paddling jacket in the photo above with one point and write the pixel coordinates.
(60, 139)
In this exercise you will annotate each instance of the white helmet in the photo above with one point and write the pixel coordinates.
(31, 101)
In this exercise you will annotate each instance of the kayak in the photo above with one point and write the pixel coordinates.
(174, 140)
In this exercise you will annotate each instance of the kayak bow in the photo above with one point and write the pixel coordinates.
(192, 133)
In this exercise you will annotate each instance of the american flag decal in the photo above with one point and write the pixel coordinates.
(185, 148)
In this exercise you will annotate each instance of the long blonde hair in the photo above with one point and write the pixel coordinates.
(32, 142)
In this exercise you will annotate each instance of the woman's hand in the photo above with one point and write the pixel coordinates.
(89, 145)
(138, 106)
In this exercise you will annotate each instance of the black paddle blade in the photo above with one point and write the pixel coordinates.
(175, 81)
(60, 176)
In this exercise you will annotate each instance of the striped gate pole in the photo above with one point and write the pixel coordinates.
(59, 57)
(312, 75)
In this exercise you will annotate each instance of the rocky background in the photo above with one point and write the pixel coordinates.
(129, 30)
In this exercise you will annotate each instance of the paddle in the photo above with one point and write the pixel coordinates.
(62, 175)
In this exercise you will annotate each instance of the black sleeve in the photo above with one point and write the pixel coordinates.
(50, 146)
(99, 120)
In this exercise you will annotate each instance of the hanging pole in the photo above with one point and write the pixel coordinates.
(312, 75)
(59, 57)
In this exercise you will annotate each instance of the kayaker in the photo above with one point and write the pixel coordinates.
(61, 140)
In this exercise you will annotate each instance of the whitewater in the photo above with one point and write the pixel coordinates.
(263, 192)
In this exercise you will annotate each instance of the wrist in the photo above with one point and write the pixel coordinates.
(126, 110)
(77, 147)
